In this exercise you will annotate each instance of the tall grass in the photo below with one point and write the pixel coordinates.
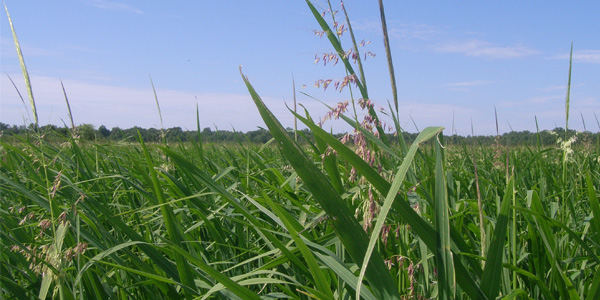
(23, 67)
(426, 220)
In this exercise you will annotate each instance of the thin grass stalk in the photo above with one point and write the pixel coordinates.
(361, 71)
(355, 47)
(68, 106)
(568, 98)
(565, 152)
(480, 213)
(333, 39)
(496, 118)
(598, 135)
(200, 145)
(23, 100)
(538, 137)
(514, 231)
(472, 130)
(400, 133)
(174, 231)
(23, 68)
(388, 52)
(162, 127)
(295, 107)
(444, 260)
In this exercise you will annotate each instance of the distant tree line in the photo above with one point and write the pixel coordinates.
(260, 136)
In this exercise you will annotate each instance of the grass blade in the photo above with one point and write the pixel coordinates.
(568, 98)
(594, 205)
(162, 127)
(68, 106)
(425, 135)
(349, 231)
(445, 266)
(174, 231)
(321, 282)
(492, 273)
(388, 52)
(23, 67)
(337, 46)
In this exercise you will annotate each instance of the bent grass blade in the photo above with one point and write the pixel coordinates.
(346, 226)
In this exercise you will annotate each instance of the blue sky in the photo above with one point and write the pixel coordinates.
(454, 62)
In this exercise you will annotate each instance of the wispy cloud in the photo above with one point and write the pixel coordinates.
(399, 30)
(536, 102)
(480, 48)
(465, 86)
(583, 56)
(468, 83)
(111, 5)
(437, 40)
(125, 107)
(414, 31)
(557, 87)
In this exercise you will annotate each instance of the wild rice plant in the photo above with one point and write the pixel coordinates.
(379, 220)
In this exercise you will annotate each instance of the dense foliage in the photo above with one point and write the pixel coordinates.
(101, 221)
(260, 136)
(150, 214)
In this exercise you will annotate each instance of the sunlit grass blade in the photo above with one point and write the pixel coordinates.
(427, 134)
(568, 97)
(21, 96)
(23, 67)
(162, 126)
(386, 43)
(68, 106)
(349, 231)
(445, 264)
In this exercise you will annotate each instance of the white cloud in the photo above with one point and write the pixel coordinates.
(413, 31)
(558, 87)
(479, 48)
(468, 83)
(583, 56)
(111, 105)
(110, 5)
(399, 31)
(534, 102)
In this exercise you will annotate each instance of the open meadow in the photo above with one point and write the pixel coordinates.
(364, 216)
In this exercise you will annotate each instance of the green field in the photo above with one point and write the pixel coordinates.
(366, 216)
(85, 220)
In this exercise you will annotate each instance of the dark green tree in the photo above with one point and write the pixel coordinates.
(103, 131)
